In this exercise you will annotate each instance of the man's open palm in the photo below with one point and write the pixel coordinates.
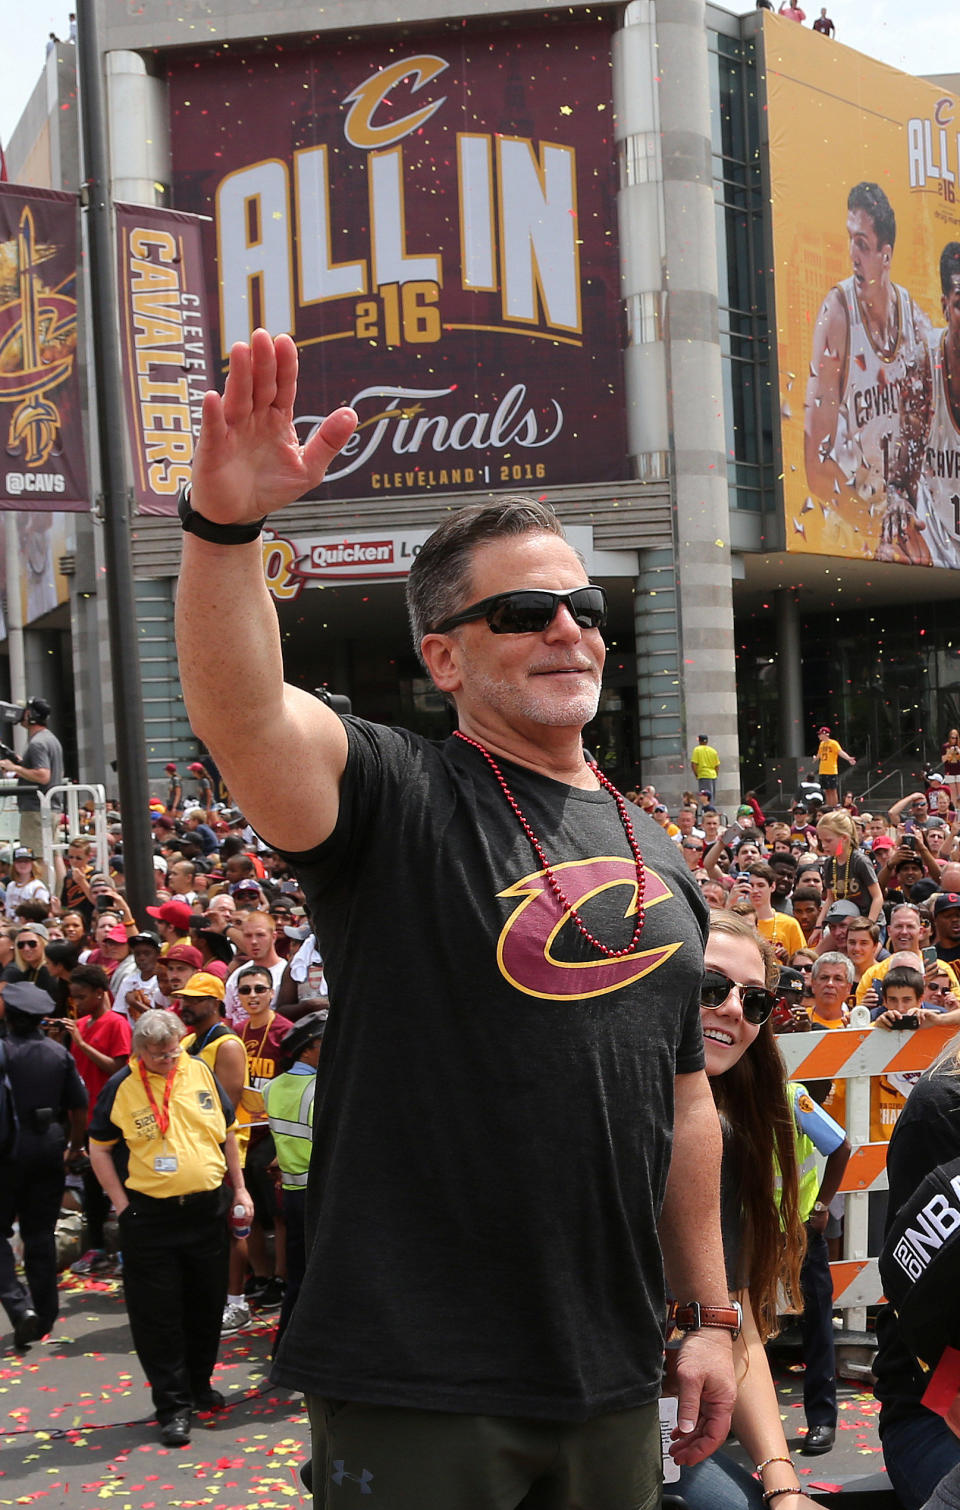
(249, 461)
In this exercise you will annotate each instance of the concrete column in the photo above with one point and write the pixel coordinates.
(139, 130)
(789, 674)
(91, 668)
(694, 367)
(674, 373)
(642, 253)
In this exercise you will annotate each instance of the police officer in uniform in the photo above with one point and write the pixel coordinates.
(47, 1091)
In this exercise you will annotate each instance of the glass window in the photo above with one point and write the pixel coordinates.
(745, 347)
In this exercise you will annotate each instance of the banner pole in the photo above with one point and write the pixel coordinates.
(139, 874)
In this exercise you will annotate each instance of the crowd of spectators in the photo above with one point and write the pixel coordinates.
(860, 908)
(229, 957)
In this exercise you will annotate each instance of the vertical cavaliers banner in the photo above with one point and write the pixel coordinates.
(865, 170)
(165, 347)
(42, 464)
(434, 221)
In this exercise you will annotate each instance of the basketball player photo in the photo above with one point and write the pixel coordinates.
(938, 496)
(868, 395)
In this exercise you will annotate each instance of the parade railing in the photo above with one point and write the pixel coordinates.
(856, 1055)
(70, 792)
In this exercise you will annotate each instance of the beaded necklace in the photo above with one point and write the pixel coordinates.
(566, 906)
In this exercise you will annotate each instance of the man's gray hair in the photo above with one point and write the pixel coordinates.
(155, 1028)
(834, 957)
(906, 907)
(439, 578)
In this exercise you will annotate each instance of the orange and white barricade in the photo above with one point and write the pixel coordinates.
(855, 1055)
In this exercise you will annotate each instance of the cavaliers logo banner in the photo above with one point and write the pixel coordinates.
(865, 168)
(434, 221)
(42, 464)
(165, 343)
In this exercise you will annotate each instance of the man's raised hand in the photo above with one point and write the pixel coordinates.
(249, 461)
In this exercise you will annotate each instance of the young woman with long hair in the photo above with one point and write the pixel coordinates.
(26, 882)
(762, 1232)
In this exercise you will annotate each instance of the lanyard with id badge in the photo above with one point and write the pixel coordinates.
(163, 1163)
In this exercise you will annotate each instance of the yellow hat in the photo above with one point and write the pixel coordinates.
(203, 984)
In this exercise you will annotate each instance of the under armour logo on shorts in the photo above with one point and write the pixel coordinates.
(340, 1473)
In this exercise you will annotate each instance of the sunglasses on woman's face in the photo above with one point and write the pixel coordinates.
(756, 1002)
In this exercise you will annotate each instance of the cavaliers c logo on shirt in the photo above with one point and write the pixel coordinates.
(525, 946)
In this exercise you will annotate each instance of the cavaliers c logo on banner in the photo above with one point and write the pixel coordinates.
(525, 947)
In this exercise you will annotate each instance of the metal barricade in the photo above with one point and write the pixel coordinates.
(55, 846)
(855, 1055)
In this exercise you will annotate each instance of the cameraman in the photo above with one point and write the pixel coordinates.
(42, 768)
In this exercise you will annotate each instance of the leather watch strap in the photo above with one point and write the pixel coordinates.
(692, 1316)
(217, 534)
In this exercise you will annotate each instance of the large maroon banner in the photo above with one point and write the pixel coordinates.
(434, 220)
(165, 341)
(42, 466)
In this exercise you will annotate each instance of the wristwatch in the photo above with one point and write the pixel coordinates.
(218, 534)
(819, 1206)
(692, 1316)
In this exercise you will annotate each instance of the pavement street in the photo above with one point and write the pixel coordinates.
(76, 1424)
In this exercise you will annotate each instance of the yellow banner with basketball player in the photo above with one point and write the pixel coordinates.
(865, 179)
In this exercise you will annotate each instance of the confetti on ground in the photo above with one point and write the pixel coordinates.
(77, 1430)
(78, 1401)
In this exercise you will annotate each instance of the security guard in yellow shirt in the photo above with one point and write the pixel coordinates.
(176, 1123)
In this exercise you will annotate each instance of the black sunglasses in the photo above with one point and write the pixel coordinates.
(531, 610)
(756, 1001)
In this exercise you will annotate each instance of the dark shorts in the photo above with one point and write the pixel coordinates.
(260, 1184)
(439, 1460)
(829, 783)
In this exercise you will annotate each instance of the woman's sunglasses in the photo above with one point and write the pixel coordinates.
(756, 1001)
(532, 610)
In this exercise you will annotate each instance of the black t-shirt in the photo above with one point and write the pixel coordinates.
(850, 882)
(494, 1102)
(39, 977)
(927, 1134)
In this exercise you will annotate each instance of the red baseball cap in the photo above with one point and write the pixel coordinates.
(176, 913)
(187, 954)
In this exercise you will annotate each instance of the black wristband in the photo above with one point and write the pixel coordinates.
(217, 534)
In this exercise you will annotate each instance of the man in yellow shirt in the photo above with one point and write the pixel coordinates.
(827, 757)
(177, 1124)
(705, 765)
